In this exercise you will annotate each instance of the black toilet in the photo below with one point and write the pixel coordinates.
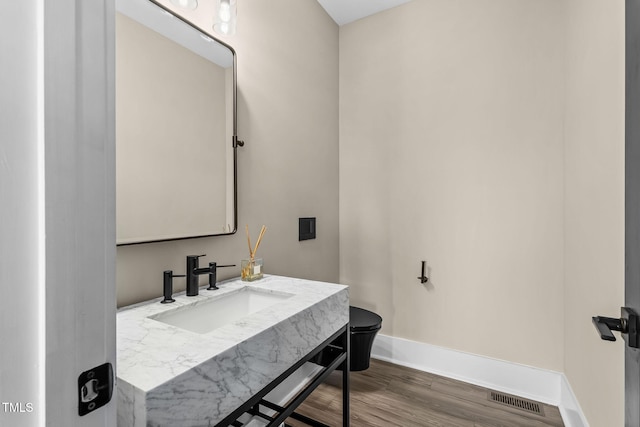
(363, 325)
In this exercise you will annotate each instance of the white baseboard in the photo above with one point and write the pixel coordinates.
(570, 410)
(525, 381)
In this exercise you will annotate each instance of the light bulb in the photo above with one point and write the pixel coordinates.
(225, 17)
(225, 11)
(223, 28)
(186, 4)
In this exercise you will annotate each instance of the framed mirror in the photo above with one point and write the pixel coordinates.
(176, 133)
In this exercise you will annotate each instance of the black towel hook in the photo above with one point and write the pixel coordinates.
(423, 278)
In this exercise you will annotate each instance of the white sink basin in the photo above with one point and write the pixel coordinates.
(207, 316)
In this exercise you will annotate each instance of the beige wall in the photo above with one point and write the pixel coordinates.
(287, 97)
(451, 118)
(487, 137)
(594, 204)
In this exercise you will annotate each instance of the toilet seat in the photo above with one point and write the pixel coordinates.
(361, 320)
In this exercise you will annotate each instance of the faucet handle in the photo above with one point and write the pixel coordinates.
(193, 261)
(167, 286)
(213, 274)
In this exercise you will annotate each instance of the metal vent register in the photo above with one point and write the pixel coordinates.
(515, 402)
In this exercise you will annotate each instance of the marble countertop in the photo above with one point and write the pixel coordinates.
(171, 376)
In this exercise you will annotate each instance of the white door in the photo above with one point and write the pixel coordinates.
(57, 214)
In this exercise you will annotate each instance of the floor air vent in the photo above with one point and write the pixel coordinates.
(516, 402)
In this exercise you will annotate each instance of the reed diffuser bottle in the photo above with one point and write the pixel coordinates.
(251, 268)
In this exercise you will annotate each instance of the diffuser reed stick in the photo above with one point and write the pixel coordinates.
(262, 230)
(246, 227)
(252, 252)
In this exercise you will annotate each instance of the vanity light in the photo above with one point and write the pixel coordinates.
(225, 17)
(187, 4)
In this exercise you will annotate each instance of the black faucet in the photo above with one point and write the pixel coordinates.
(193, 271)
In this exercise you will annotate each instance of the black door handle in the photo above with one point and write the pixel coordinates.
(605, 326)
(627, 325)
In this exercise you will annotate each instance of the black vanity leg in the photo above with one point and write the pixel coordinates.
(345, 377)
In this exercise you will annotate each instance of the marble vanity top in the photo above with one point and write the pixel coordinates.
(171, 376)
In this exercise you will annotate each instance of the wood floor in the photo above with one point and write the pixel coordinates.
(388, 395)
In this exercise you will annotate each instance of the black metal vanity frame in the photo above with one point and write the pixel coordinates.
(338, 346)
